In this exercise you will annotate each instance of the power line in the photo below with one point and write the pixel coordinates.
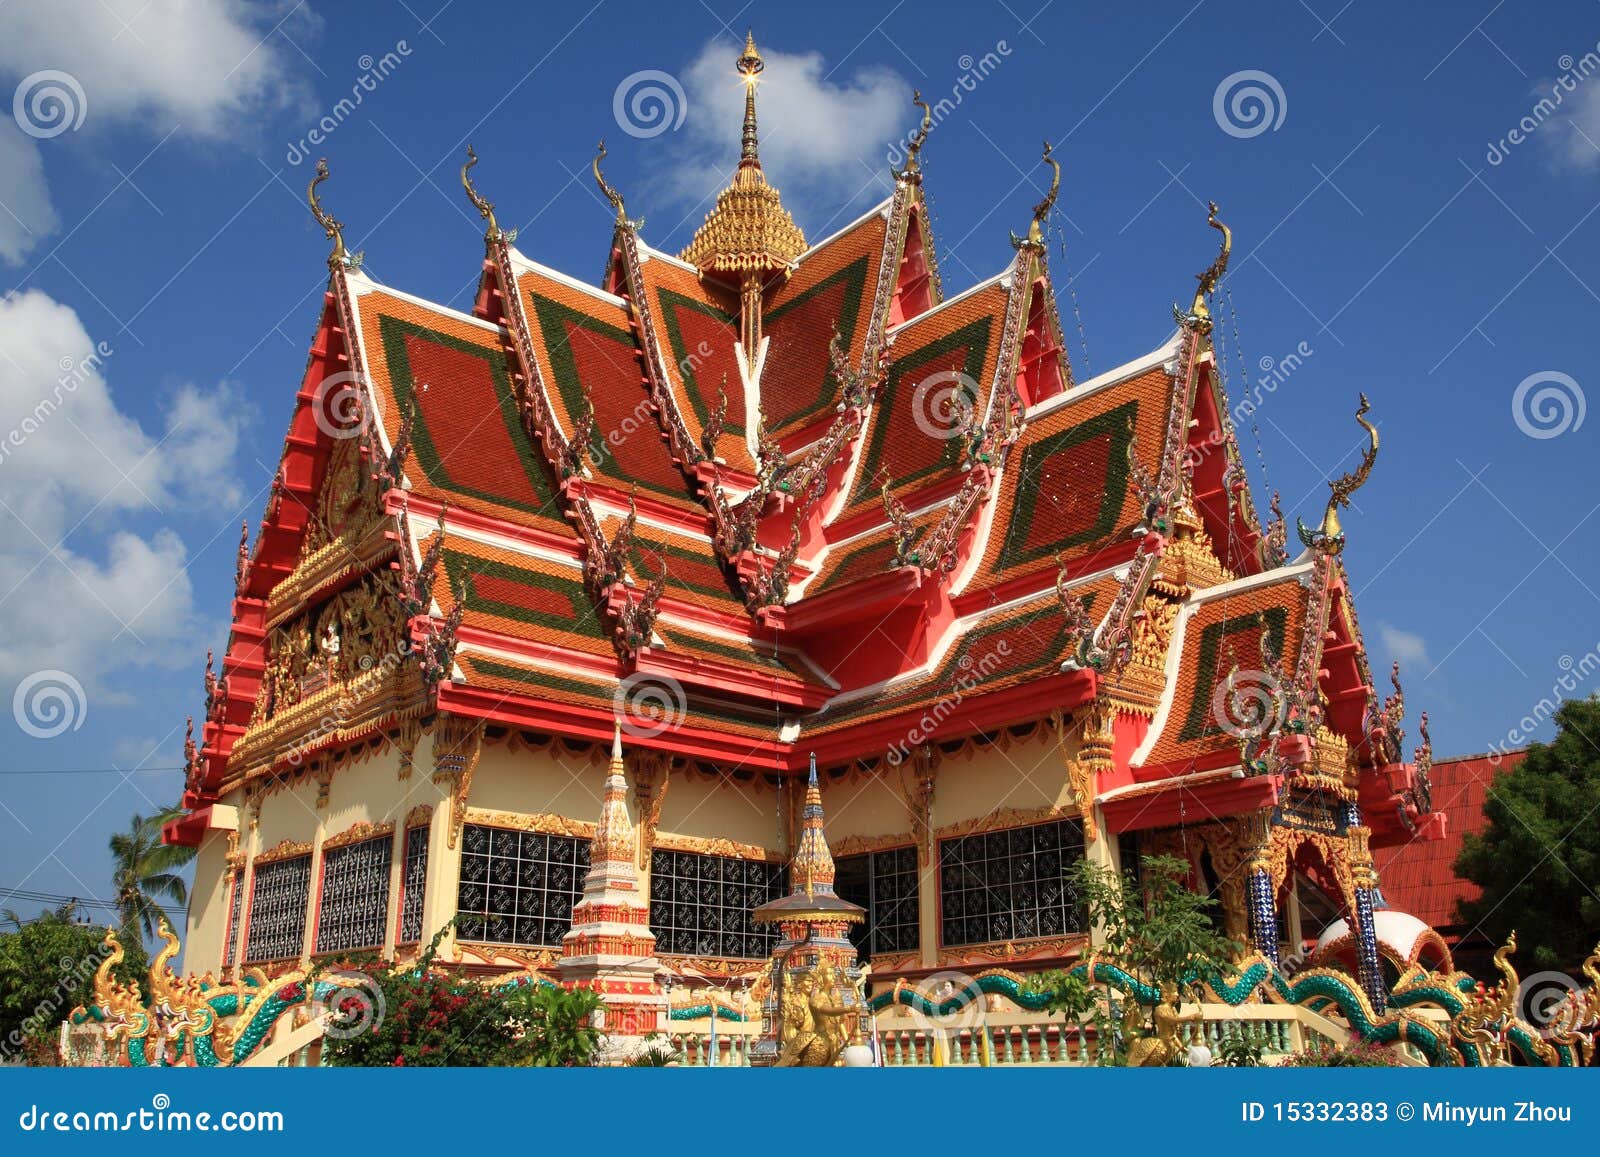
(49, 898)
(85, 770)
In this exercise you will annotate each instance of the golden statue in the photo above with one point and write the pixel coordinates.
(813, 1025)
(1153, 1052)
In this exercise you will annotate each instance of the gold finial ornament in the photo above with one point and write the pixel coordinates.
(1041, 211)
(748, 237)
(484, 206)
(1199, 315)
(331, 226)
(1329, 537)
(913, 170)
(607, 190)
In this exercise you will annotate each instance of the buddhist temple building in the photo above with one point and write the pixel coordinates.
(554, 603)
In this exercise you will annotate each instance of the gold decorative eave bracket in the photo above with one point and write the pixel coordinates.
(330, 566)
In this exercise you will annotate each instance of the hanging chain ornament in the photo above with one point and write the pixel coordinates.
(1072, 292)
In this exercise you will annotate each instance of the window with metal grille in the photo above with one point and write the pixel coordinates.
(701, 905)
(354, 905)
(885, 884)
(278, 909)
(518, 887)
(235, 902)
(1009, 885)
(413, 885)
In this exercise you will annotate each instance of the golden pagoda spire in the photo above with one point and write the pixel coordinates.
(750, 66)
(613, 835)
(748, 237)
(812, 870)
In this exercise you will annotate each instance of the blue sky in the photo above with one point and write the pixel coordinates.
(1376, 239)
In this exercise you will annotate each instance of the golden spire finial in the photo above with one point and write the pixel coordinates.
(1329, 537)
(608, 191)
(1042, 210)
(749, 65)
(484, 206)
(913, 169)
(1200, 313)
(331, 226)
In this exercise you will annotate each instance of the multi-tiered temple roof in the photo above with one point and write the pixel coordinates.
(802, 499)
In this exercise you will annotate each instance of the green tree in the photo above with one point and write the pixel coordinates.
(1537, 858)
(145, 872)
(556, 1024)
(47, 969)
(1156, 928)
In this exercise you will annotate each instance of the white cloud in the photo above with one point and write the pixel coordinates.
(26, 215)
(206, 68)
(1578, 130)
(824, 138)
(207, 64)
(76, 469)
(1411, 649)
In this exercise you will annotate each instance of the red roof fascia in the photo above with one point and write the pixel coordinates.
(726, 679)
(598, 724)
(869, 598)
(1180, 802)
(1068, 691)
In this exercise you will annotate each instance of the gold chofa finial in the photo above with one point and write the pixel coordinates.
(607, 190)
(1200, 313)
(484, 206)
(913, 169)
(331, 226)
(1329, 537)
(1041, 211)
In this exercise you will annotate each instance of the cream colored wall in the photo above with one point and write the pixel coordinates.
(1030, 774)
(208, 906)
(702, 808)
(527, 782)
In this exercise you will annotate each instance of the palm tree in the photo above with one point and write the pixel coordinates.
(145, 872)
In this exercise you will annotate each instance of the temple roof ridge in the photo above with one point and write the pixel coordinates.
(955, 299)
(1107, 378)
(521, 262)
(881, 209)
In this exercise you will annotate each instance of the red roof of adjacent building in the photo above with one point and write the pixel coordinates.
(1419, 876)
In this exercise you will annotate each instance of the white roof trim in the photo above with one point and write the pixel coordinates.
(879, 210)
(1100, 382)
(520, 261)
(504, 542)
(651, 253)
(360, 287)
(933, 311)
